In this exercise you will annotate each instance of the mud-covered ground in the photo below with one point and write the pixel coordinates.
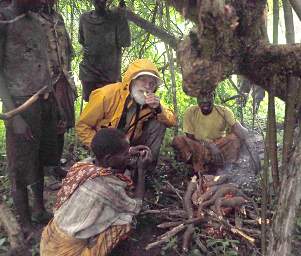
(158, 196)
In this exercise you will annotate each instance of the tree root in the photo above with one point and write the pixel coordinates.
(13, 230)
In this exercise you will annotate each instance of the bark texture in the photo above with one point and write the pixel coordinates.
(283, 223)
(229, 38)
(296, 4)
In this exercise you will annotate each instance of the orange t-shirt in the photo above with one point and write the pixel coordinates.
(208, 127)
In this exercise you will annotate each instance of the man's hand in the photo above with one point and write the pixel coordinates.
(61, 127)
(152, 100)
(144, 157)
(21, 128)
(217, 156)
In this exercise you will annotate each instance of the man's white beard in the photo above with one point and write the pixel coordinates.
(138, 96)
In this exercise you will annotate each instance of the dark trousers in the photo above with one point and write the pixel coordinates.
(65, 97)
(27, 158)
(152, 136)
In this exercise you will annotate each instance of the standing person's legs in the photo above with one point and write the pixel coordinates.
(58, 172)
(49, 154)
(65, 97)
(23, 164)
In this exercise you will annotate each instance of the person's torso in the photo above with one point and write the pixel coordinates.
(117, 105)
(102, 56)
(59, 48)
(25, 62)
(89, 209)
(209, 127)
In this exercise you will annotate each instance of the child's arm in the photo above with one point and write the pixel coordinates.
(145, 157)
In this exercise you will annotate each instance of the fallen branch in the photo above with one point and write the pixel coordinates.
(175, 190)
(166, 236)
(189, 209)
(176, 223)
(233, 229)
(241, 233)
(171, 212)
(201, 245)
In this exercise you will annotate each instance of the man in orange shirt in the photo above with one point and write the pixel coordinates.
(212, 134)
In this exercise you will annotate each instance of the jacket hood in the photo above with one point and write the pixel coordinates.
(138, 66)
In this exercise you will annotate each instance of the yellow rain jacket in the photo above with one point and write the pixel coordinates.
(106, 105)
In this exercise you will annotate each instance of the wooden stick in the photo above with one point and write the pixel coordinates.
(176, 223)
(232, 228)
(174, 190)
(166, 236)
(187, 203)
(167, 211)
(237, 231)
(201, 245)
(10, 114)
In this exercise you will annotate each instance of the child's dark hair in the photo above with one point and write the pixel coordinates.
(108, 141)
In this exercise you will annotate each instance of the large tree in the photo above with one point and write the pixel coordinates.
(230, 38)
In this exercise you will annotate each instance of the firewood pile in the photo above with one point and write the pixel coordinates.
(211, 207)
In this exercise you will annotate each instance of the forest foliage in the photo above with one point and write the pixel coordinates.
(145, 45)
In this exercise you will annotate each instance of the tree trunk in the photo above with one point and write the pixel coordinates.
(271, 112)
(290, 113)
(275, 21)
(289, 22)
(172, 73)
(289, 200)
(297, 7)
(281, 233)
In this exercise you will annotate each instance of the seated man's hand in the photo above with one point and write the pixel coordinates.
(216, 154)
(144, 156)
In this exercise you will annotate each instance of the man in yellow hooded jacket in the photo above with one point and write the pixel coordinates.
(131, 106)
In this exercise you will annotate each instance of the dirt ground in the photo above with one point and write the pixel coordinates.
(145, 228)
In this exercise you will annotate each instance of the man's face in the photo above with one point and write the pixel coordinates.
(205, 102)
(99, 4)
(121, 159)
(143, 85)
